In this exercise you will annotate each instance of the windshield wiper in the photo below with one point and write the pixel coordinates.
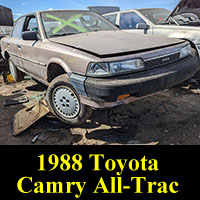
(60, 35)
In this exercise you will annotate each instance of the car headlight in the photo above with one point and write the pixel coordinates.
(185, 51)
(112, 68)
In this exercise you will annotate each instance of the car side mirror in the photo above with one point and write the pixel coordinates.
(142, 26)
(30, 35)
(117, 25)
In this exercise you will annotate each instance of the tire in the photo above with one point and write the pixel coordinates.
(16, 74)
(64, 102)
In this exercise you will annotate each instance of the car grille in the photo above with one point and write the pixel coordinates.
(162, 60)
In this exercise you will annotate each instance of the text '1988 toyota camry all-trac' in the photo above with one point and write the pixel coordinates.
(87, 62)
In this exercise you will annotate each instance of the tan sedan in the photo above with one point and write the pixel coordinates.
(87, 62)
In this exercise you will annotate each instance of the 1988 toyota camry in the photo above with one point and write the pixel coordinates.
(88, 63)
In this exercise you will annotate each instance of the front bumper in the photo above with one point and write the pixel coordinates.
(105, 91)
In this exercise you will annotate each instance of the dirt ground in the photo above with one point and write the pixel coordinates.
(169, 117)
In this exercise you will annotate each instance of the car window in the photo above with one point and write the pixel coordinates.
(17, 31)
(31, 24)
(129, 20)
(111, 18)
(155, 15)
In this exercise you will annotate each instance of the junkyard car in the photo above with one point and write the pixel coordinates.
(4, 31)
(183, 22)
(87, 62)
(6, 22)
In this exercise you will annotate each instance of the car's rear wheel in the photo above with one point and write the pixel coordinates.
(64, 102)
(16, 74)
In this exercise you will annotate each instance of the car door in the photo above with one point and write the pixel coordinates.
(30, 49)
(14, 42)
(130, 21)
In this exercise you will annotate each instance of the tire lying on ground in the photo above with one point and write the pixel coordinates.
(16, 74)
(64, 102)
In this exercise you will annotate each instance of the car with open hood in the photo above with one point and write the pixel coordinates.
(183, 22)
(188, 8)
(87, 62)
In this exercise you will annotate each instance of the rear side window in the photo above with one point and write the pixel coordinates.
(130, 20)
(17, 31)
(111, 18)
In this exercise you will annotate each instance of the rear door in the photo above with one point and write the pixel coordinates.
(128, 22)
(30, 49)
(14, 43)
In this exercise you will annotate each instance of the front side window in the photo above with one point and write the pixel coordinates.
(32, 24)
(17, 31)
(111, 18)
(130, 20)
(60, 23)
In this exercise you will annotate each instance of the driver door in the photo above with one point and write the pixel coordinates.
(14, 43)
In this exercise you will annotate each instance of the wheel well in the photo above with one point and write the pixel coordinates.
(54, 70)
(193, 46)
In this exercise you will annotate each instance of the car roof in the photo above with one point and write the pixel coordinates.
(121, 11)
(138, 9)
(59, 10)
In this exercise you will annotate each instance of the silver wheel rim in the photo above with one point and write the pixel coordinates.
(12, 69)
(66, 102)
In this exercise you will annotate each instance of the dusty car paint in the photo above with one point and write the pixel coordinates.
(46, 58)
(119, 41)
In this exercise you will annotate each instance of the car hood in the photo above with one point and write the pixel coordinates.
(113, 43)
(185, 5)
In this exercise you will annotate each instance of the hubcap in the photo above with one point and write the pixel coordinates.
(66, 102)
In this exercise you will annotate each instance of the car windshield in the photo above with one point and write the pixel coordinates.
(156, 16)
(61, 23)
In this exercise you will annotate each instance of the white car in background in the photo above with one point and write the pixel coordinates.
(183, 22)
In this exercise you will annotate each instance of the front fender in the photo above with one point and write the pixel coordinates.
(60, 62)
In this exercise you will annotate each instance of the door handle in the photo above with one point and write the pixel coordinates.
(19, 46)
